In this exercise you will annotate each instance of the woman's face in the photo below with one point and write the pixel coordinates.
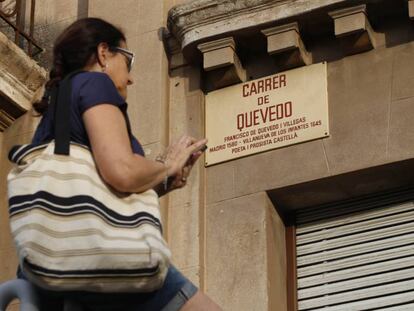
(116, 67)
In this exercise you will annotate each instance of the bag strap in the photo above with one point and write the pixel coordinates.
(60, 102)
(60, 106)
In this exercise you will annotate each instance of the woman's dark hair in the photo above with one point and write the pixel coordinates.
(74, 49)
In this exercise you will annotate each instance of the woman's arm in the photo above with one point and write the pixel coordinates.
(118, 165)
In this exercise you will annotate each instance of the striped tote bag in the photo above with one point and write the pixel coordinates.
(74, 232)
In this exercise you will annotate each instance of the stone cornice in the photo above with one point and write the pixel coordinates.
(202, 19)
(20, 80)
(17, 68)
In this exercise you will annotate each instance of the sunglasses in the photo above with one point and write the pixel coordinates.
(130, 56)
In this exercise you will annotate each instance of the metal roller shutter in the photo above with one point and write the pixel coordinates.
(358, 255)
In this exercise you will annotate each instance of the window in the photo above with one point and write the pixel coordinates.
(356, 256)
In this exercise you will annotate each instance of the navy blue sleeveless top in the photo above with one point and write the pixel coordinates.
(88, 89)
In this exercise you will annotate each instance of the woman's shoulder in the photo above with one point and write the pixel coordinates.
(88, 81)
(92, 76)
(92, 88)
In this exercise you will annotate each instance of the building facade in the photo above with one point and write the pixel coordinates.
(324, 222)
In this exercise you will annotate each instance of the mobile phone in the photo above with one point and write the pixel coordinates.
(202, 149)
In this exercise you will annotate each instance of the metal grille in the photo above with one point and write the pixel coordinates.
(13, 13)
(360, 260)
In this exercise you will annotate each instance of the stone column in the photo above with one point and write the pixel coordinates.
(246, 254)
(186, 206)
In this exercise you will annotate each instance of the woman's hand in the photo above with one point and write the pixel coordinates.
(180, 159)
(181, 153)
(180, 180)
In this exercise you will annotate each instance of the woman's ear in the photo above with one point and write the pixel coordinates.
(102, 52)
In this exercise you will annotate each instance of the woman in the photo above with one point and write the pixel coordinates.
(99, 119)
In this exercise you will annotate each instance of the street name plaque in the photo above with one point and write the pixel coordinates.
(271, 112)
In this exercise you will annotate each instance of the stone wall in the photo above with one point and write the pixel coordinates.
(161, 110)
(149, 109)
(20, 132)
(51, 18)
(370, 107)
(163, 106)
(245, 254)
(222, 228)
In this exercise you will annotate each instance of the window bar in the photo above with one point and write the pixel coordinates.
(18, 22)
(31, 31)
(19, 29)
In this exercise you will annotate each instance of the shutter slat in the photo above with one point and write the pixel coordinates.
(356, 250)
(355, 217)
(346, 229)
(357, 272)
(372, 304)
(405, 307)
(364, 259)
(363, 237)
(404, 286)
(331, 288)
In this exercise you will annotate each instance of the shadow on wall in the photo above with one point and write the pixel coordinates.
(83, 8)
(343, 187)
